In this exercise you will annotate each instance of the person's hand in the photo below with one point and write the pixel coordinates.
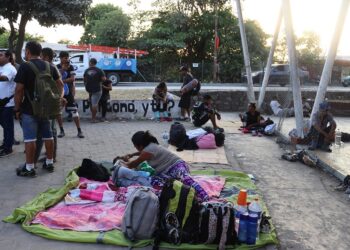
(17, 115)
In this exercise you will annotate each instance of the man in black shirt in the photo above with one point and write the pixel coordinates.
(71, 106)
(185, 100)
(93, 78)
(24, 94)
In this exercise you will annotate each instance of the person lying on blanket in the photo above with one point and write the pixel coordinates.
(165, 163)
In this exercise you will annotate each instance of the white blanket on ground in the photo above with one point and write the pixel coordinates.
(195, 133)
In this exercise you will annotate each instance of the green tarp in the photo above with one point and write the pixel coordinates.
(25, 214)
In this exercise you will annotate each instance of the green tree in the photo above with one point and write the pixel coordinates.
(47, 13)
(28, 37)
(106, 25)
(65, 41)
(308, 47)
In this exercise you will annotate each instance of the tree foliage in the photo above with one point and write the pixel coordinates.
(27, 37)
(106, 25)
(47, 13)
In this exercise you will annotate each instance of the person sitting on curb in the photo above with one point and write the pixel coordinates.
(322, 131)
(204, 112)
(166, 164)
(161, 98)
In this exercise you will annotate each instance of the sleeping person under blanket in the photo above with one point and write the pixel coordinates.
(166, 164)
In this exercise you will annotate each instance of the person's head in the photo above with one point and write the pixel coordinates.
(5, 57)
(142, 139)
(183, 70)
(207, 99)
(92, 62)
(324, 107)
(162, 86)
(47, 54)
(32, 49)
(251, 107)
(64, 57)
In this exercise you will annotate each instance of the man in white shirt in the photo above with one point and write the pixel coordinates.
(7, 90)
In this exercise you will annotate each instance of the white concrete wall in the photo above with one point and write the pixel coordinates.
(129, 109)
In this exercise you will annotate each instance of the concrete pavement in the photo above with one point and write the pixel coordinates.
(306, 211)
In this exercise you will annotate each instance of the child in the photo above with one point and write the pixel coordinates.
(205, 112)
(106, 88)
(166, 164)
(160, 96)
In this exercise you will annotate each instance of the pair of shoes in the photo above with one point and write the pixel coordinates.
(22, 171)
(61, 134)
(49, 167)
(80, 134)
(5, 152)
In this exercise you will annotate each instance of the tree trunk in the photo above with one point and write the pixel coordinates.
(12, 36)
(21, 35)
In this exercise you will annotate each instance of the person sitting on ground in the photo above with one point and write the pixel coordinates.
(306, 107)
(322, 130)
(166, 164)
(161, 98)
(252, 118)
(278, 110)
(106, 88)
(93, 78)
(205, 112)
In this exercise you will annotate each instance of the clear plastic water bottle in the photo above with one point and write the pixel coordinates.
(165, 136)
(255, 208)
(337, 141)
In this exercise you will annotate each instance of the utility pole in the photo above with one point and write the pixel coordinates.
(215, 43)
(332, 52)
(250, 87)
(293, 68)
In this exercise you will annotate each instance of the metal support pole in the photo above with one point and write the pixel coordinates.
(269, 59)
(250, 87)
(293, 68)
(332, 52)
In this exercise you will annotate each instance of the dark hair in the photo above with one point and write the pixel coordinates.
(9, 55)
(162, 85)
(207, 97)
(34, 48)
(143, 138)
(64, 54)
(48, 52)
(93, 61)
(252, 104)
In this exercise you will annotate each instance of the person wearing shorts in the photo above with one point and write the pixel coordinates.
(24, 93)
(185, 99)
(67, 70)
(93, 78)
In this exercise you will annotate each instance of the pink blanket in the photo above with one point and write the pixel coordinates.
(211, 184)
(104, 216)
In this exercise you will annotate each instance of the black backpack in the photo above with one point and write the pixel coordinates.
(219, 216)
(178, 214)
(93, 171)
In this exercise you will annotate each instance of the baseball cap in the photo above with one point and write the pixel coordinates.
(324, 106)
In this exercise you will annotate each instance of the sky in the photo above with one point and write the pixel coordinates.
(319, 16)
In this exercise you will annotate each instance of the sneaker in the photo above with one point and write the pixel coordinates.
(80, 135)
(61, 134)
(4, 153)
(49, 167)
(22, 171)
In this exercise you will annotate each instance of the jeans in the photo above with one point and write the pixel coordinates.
(31, 126)
(7, 123)
(124, 177)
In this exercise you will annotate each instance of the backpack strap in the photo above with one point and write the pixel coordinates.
(33, 67)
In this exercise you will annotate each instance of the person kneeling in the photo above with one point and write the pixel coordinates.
(205, 112)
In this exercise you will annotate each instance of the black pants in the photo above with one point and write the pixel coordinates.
(103, 105)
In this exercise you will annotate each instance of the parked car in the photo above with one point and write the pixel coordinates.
(346, 81)
(279, 75)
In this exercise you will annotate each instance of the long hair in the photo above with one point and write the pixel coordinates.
(143, 138)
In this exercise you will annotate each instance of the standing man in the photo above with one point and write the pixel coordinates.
(71, 106)
(7, 91)
(185, 100)
(93, 78)
(24, 95)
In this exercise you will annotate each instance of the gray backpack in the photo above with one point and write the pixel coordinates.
(141, 215)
